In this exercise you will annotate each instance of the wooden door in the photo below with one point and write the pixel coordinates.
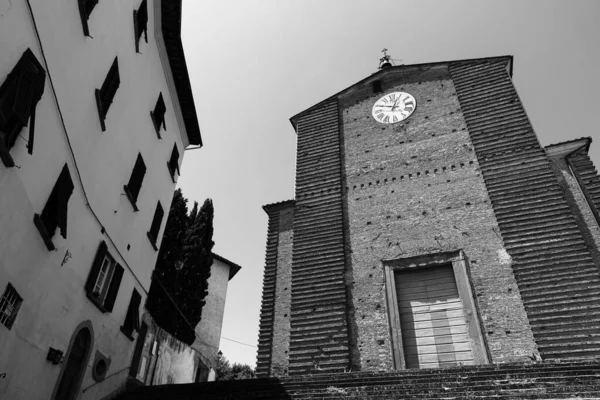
(432, 321)
(75, 367)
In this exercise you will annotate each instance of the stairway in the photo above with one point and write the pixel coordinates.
(548, 380)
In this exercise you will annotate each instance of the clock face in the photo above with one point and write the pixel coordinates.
(394, 107)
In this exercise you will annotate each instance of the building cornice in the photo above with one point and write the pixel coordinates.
(233, 267)
(167, 31)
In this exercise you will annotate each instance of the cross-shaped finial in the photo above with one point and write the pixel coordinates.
(384, 51)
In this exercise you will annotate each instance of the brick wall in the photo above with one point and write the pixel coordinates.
(415, 188)
(283, 286)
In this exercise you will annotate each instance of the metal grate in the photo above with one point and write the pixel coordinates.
(9, 306)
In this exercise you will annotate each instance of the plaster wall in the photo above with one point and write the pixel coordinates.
(415, 188)
(52, 283)
(208, 330)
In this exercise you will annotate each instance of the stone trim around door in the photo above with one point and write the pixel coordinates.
(460, 266)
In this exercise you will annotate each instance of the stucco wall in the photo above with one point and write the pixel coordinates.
(208, 330)
(54, 299)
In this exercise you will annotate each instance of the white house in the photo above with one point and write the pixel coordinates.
(96, 110)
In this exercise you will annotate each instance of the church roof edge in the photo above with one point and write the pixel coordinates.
(295, 118)
(279, 205)
(233, 267)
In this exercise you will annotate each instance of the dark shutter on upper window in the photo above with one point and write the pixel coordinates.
(155, 227)
(113, 289)
(91, 280)
(158, 115)
(174, 162)
(106, 94)
(19, 95)
(137, 176)
(140, 24)
(132, 319)
(54, 213)
(85, 9)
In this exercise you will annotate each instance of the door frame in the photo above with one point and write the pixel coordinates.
(83, 325)
(462, 276)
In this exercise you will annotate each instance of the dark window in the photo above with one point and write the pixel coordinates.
(19, 95)
(132, 189)
(377, 87)
(132, 319)
(9, 306)
(54, 214)
(158, 115)
(173, 162)
(106, 94)
(155, 227)
(85, 9)
(140, 24)
(104, 280)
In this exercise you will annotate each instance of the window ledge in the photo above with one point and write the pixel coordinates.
(39, 224)
(130, 197)
(152, 241)
(156, 128)
(128, 334)
(96, 301)
(100, 110)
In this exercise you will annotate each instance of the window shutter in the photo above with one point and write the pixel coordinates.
(115, 282)
(64, 193)
(137, 176)
(89, 6)
(110, 86)
(142, 21)
(159, 113)
(158, 216)
(136, 299)
(91, 280)
(174, 161)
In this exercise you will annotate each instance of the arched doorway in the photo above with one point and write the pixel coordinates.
(75, 364)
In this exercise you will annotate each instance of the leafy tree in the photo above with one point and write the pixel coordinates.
(227, 372)
(180, 281)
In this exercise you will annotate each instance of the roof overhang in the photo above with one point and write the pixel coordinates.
(167, 31)
(404, 68)
(568, 147)
(233, 267)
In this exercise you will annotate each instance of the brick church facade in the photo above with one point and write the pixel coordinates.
(449, 238)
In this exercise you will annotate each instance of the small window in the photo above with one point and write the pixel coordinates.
(173, 162)
(9, 306)
(158, 115)
(132, 189)
(140, 24)
(106, 94)
(19, 95)
(85, 10)
(54, 214)
(155, 227)
(377, 87)
(132, 319)
(104, 280)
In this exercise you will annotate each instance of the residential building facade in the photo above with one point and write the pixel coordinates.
(96, 111)
(430, 229)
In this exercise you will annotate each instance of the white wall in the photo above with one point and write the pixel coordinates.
(54, 300)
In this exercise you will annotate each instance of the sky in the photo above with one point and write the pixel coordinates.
(253, 64)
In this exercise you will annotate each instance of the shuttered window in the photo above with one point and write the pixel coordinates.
(132, 189)
(54, 214)
(132, 319)
(140, 24)
(19, 95)
(104, 280)
(173, 162)
(106, 94)
(155, 227)
(158, 115)
(85, 10)
(10, 302)
(433, 326)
